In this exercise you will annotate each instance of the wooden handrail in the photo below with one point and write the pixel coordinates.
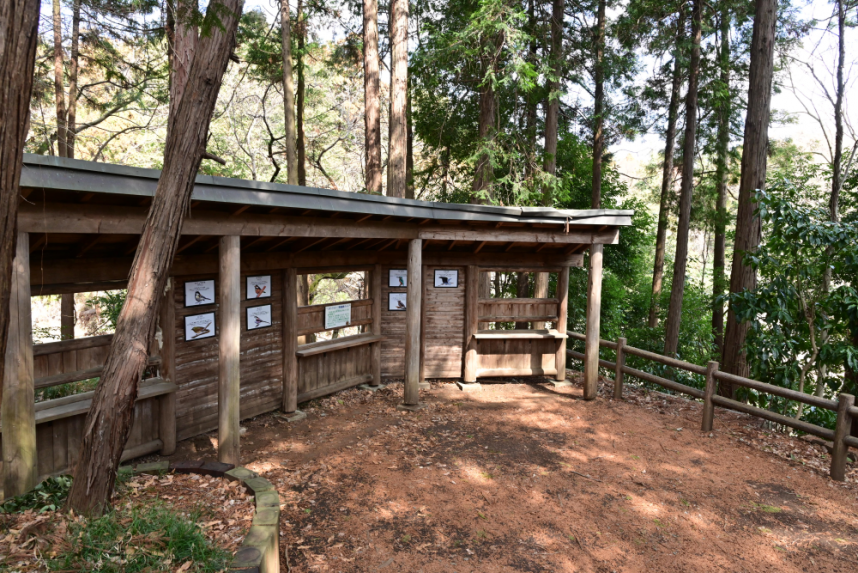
(808, 399)
(805, 427)
(78, 375)
(317, 307)
(72, 344)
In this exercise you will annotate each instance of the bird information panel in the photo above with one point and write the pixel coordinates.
(398, 278)
(338, 315)
(396, 301)
(258, 287)
(446, 279)
(258, 317)
(199, 293)
(199, 326)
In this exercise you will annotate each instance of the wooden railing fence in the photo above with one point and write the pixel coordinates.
(844, 406)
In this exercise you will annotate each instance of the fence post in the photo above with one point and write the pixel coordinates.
(618, 373)
(841, 430)
(708, 406)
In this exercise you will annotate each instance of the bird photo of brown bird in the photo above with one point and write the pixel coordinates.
(400, 305)
(200, 330)
(260, 290)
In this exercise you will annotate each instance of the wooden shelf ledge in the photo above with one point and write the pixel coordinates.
(79, 404)
(337, 344)
(546, 318)
(518, 335)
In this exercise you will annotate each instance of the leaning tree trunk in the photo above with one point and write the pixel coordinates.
(598, 108)
(753, 177)
(288, 95)
(719, 281)
(19, 33)
(184, 48)
(59, 89)
(301, 29)
(372, 114)
(109, 419)
(71, 117)
(398, 144)
(674, 311)
(666, 183)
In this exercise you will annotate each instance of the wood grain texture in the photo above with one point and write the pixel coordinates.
(444, 327)
(289, 328)
(472, 288)
(594, 306)
(562, 314)
(413, 316)
(229, 351)
(393, 328)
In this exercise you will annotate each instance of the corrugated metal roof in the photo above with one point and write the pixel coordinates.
(50, 172)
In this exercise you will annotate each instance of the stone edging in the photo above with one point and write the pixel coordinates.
(260, 550)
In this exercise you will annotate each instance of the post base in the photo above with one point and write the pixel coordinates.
(410, 407)
(372, 388)
(469, 386)
(295, 416)
(424, 386)
(561, 383)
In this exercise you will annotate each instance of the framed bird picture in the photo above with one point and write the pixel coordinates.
(398, 278)
(199, 293)
(199, 326)
(396, 301)
(446, 279)
(258, 317)
(258, 287)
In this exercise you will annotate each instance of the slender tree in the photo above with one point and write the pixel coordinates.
(398, 144)
(372, 115)
(71, 117)
(674, 312)
(288, 95)
(301, 30)
(109, 419)
(753, 177)
(59, 81)
(719, 280)
(598, 107)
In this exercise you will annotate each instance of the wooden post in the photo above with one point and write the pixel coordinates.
(591, 342)
(708, 405)
(290, 340)
(472, 287)
(618, 371)
(17, 409)
(562, 315)
(412, 322)
(67, 318)
(167, 405)
(229, 351)
(377, 303)
(841, 430)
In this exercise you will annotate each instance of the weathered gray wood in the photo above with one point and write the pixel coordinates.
(290, 340)
(777, 391)
(486, 372)
(67, 317)
(78, 375)
(841, 430)
(594, 305)
(618, 369)
(377, 301)
(412, 322)
(325, 346)
(17, 409)
(71, 345)
(78, 404)
(669, 384)
(336, 387)
(708, 406)
(562, 314)
(229, 351)
(141, 450)
(471, 324)
(607, 237)
(666, 360)
(167, 406)
(800, 425)
(519, 335)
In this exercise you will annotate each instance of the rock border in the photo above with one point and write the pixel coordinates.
(260, 550)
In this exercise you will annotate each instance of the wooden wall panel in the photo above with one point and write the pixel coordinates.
(444, 326)
(516, 354)
(331, 369)
(393, 327)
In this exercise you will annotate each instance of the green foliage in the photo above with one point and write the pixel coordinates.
(110, 304)
(68, 389)
(46, 496)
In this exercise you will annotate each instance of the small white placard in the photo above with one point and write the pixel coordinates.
(199, 326)
(338, 315)
(258, 287)
(397, 301)
(398, 278)
(258, 317)
(198, 293)
(446, 279)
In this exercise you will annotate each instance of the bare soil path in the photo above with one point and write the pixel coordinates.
(523, 477)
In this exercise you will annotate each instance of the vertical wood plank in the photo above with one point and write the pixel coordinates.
(167, 409)
(844, 423)
(18, 409)
(591, 342)
(618, 370)
(471, 323)
(67, 319)
(229, 350)
(290, 340)
(377, 302)
(563, 297)
(413, 314)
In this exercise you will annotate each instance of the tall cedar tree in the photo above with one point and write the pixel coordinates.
(109, 419)
(598, 107)
(398, 144)
(719, 281)
(372, 114)
(288, 95)
(59, 73)
(301, 30)
(753, 177)
(674, 311)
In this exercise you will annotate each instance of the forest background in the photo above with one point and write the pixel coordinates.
(505, 103)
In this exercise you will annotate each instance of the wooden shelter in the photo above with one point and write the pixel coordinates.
(79, 224)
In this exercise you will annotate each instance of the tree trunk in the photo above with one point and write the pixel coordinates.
(836, 167)
(59, 89)
(666, 183)
(530, 101)
(288, 95)
(481, 190)
(598, 105)
(674, 311)
(398, 144)
(301, 29)
(185, 41)
(552, 107)
(753, 177)
(372, 115)
(409, 155)
(719, 280)
(109, 419)
(71, 121)
(19, 23)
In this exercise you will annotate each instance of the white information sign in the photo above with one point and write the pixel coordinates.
(199, 326)
(398, 278)
(446, 279)
(199, 293)
(397, 301)
(258, 317)
(258, 287)
(338, 315)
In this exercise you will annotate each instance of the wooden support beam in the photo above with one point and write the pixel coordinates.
(377, 302)
(167, 368)
(357, 244)
(389, 243)
(591, 342)
(335, 243)
(87, 245)
(362, 219)
(183, 248)
(279, 244)
(472, 292)
(480, 247)
(540, 247)
(17, 409)
(229, 350)
(310, 245)
(241, 210)
(290, 340)
(562, 314)
(256, 241)
(67, 317)
(41, 239)
(132, 248)
(452, 244)
(608, 237)
(509, 247)
(412, 322)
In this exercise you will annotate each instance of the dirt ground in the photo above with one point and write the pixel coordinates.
(525, 477)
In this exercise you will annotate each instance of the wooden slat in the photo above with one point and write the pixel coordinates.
(800, 425)
(314, 348)
(497, 372)
(517, 334)
(777, 391)
(78, 375)
(336, 387)
(73, 344)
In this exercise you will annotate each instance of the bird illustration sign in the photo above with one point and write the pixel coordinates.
(398, 278)
(397, 301)
(199, 293)
(446, 278)
(258, 287)
(199, 326)
(258, 317)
